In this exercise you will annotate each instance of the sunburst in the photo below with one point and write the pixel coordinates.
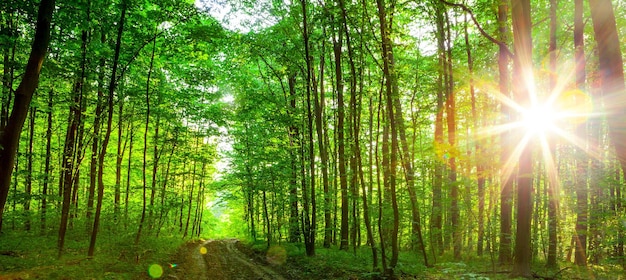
(544, 120)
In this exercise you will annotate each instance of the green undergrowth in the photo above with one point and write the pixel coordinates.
(34, 256)
(332, 263)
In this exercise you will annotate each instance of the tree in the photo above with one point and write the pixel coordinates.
(10, 134)
(522, 67)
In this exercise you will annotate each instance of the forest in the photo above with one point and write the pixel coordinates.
(312, 139)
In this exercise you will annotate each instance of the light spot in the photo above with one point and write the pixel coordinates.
(203, 250)
(155, 271)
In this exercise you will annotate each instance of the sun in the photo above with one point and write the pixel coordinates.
(540, 119)
(545, 120)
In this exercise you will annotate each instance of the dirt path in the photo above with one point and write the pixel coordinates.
(218, 259)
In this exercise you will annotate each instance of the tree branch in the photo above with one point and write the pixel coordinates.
(482, 31)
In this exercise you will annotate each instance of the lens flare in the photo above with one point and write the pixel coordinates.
(203, 250)
(155, 271)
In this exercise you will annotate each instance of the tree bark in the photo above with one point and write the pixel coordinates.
(506, 195)
(10, 133)
(522, 67)
(107, 134)
(390, 80)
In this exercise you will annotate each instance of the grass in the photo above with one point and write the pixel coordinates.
(331, 263)
(31, 256)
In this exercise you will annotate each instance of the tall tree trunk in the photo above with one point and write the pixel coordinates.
(522, 66)
(47, 171)
(309, 217)
(581, 158)
(68, 183)
(145, 149)
(10, 133)
(320, 127)
(118, 161)
(451, 124)
(93, 165)
(612, 83)
(294, 231)
(436, 219)
(107, 134)
(478, 153)
(506, 195)
(611, 73)
(391, 95)
(29, 169)
(341, 154)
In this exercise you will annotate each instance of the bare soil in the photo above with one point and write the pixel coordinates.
(217, 260)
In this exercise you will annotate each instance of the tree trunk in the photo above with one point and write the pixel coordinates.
(391, 95)
(47, 171)
(309, 217)
(145, 151)
(580, 257)
(522, 65)
(294, 232)
(118, 162)
(506, 195)
(10, 133)
(107, 134)
(29, 169)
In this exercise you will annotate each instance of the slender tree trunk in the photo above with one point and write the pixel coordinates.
(309, 217)
(581, 158)
(71, 149)
(436, 219)
(478, 153)
(390, 80)
(29, 169)
(107, 135)
(47, 171)
(343, 180)
(506, 195)
(451, 124)
(93, 165)
(294, 232)
(118, 162)
(320, 128)
(130, 135)
(145, 149)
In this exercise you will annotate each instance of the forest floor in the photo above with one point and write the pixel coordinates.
(219, 259)
(34, 257)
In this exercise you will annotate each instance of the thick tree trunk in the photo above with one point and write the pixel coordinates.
(522, 66)
(612, 83)
(10, 133)
(611, 73)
